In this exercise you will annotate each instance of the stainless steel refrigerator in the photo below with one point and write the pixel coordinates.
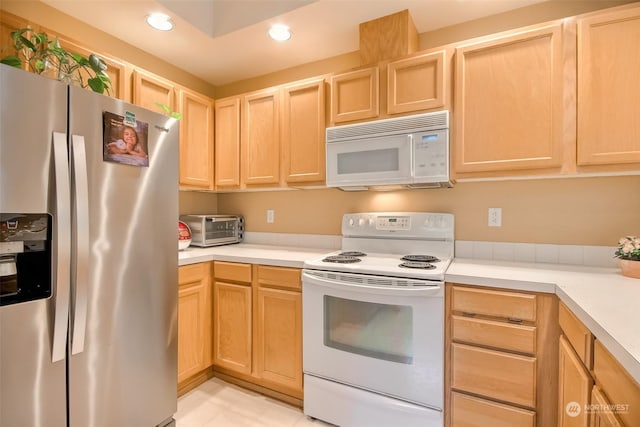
(88, 258)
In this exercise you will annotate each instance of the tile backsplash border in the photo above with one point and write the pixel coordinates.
(594, 256)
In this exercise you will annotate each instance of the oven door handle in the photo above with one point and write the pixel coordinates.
(434, 290)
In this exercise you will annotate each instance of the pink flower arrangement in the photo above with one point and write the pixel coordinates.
(628, 248)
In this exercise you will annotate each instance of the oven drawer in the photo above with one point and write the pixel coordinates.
(486, 302)
(503, 376)
(490, 333)
(468, 411)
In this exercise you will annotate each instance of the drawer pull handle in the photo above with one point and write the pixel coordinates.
(514, 320)
(468, 314)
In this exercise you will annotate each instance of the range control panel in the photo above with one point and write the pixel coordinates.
(412, 225)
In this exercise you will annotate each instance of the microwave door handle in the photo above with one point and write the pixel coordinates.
(411, 154)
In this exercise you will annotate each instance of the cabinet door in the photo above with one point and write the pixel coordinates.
(196, 140)
(232, 326)
(260, 139)
(8, 24)
(227, 142)
(354, 95)
(609, 88)
(149, 89)
(618, 385)
(416, 83)
(303, 132)
(279, 337)
(574, 387)
(602, 417)
(509, 102)
(194, 320)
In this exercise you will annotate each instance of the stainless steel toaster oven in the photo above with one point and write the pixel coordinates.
(214, 230)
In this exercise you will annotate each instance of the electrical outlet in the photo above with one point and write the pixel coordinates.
(495, 217)
(271, 216)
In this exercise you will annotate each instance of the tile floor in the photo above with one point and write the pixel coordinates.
(219, 404)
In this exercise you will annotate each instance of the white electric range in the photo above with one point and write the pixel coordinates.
(373, 322)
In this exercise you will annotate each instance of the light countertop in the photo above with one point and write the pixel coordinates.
(283, 256)
(605, 301)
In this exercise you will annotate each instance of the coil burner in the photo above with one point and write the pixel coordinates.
(417, 264)
(341, 259)
(420, 258)
(352, 253)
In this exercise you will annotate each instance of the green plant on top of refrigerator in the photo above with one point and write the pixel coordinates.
(36, 53)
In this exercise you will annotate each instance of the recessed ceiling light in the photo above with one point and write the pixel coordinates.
(160, 21)
(280, 32)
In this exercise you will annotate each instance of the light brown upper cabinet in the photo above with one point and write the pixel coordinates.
(196, 140)
(8, 24)
(149, 89)
(417, 83)
(413, 84)
(509, 102)
(196, 125)
(303, 132)
(227, 143)
(354, 95)
(609, 88)
(116, 69)
(260, 138)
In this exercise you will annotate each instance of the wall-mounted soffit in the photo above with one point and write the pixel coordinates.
(216, 18)
(389, 37)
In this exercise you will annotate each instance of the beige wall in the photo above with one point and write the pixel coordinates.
(592, 211)
(582, 211)
(196, 202)
(94, 39)
(542, 12)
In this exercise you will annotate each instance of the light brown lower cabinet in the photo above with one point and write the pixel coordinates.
(194, 325)
(594, 389)
(574, 388)
(258, 328)
(602, 418)
(500, 358)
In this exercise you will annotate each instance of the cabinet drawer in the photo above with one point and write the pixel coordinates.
(502, 335)
(233, 271)
(280, 277)
(503, 376)
(578, 335)
(617, 384)
(468, 411)
(193, 272)
(494, 303)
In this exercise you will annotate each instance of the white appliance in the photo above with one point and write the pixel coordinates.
(409, 151)
(373, 316)
(88, 300)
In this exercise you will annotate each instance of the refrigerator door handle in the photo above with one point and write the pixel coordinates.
(80, 263)
(62, 248)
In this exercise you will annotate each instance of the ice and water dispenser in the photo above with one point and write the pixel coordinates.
(25, 257)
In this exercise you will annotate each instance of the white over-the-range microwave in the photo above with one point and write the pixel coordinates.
(410, 151)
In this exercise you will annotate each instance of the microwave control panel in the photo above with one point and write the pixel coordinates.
(431, 154)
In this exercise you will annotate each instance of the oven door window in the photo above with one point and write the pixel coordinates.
(380, 331)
